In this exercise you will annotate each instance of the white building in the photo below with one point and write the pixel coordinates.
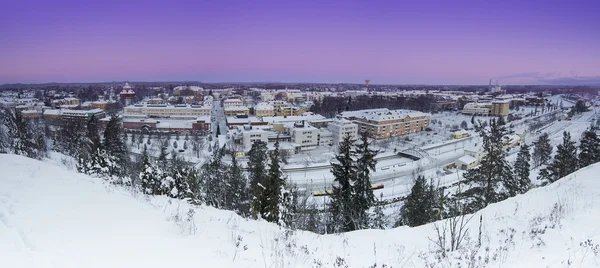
(325, 137)
(251, 134)
(232, 103)
(266, 96)
(304, 137)
(341, 127)
(172, 111)
(477, 108)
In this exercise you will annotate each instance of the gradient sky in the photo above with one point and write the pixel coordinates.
(400, 42)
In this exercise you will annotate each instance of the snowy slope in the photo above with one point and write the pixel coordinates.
(52, 217)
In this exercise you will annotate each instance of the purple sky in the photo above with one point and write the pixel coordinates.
(400, 42)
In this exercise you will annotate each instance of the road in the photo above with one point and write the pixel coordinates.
(218, 115)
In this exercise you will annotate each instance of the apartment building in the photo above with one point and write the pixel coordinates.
(264, 109)
(304, 137)
(500, 108)
(342, 127)
(385, 123)
(251, 135)
(232, 103)
(325, 137)
(171, 111)
(236, 110)
(58, 115)
(495, 108)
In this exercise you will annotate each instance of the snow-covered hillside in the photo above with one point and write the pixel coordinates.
(53, 217)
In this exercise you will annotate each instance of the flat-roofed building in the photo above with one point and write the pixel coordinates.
(170, 111)
(236, 110)
(342, 127)
(232, 103)
(384, 123)
(500, 107)
(479, 108)
(304, 136)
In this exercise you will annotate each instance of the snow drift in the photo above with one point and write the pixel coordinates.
(53, 217)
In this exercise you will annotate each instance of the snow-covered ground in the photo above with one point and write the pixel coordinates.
(52, 217)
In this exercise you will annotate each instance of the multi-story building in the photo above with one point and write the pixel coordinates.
(495, 108)
(384, 123)
(251, 135)
(479, 108)
(264, 109)
(290, 111)
(342, 127)
(105, 105)
(500, 108)
(232, 103)
(304, 137)
(266, 96)
(236, 110)
(325, 137)
(172, 111)
(57, 115)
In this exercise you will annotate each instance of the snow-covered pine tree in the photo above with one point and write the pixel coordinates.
(418, 205)
(344, 172)
(521, 170)
(22, 140)
(544, 176)
(362, 196)
(565, 160)
(257, 157)
(114, 146)
(589, 147)
(215, 181)
(238, 198)
(493, 179)
(273, 192)
(542, 150)
(149, 177)
(162, 160)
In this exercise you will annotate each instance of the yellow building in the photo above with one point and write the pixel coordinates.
(500, 108)
(264, 109)
(460, 134)
(384, 123)
(236, 110)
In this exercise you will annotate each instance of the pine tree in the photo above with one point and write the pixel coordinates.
(362, 190)
(272, 194)
(238, 196)
(542, 150)
(115, 148)
(544, 176)
(565, 160)
(492, 180)
(344, 172)
(149, 177)
(162, 157)
(215, 181)
(418, 207)
(589, 147)
(522, 170)
(23, 141)
(257, 157)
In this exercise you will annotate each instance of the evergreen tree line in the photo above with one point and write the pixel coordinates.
(21, 136)
(494, 179)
